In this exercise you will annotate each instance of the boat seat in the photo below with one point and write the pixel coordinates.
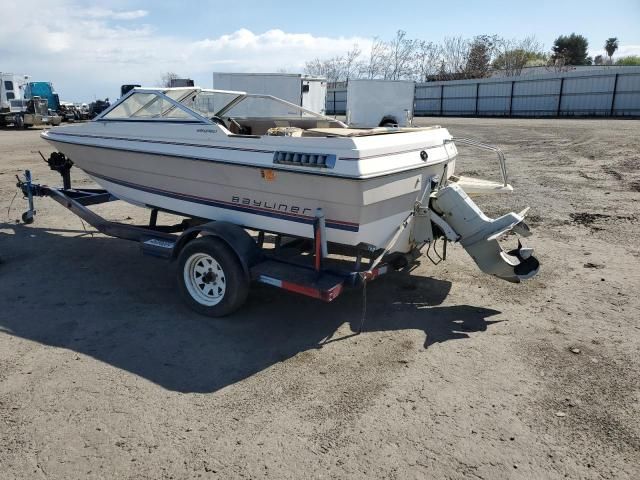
(285, 132)
(261, 126)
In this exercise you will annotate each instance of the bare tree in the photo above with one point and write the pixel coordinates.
(558, 63)
(331, 68)
(513, 55)
(351, 66)
(167, 78)
(336, 69)
(455, 53)
(374, 66)
(406, 58)
(401, 53)
(427, 60)
(314, 67)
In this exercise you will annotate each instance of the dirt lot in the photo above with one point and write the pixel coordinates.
(105, 374)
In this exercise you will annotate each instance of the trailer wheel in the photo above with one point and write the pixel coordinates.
(210, 277)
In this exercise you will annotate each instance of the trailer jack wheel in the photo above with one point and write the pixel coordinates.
(27, 217)
(210, 277)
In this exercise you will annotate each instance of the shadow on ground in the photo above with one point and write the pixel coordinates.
(98, 296)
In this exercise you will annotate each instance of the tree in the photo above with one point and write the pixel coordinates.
(401, 52)
(330, 68)
(374, 66)
(610, 46)
(166, 79)
(599, 60)
(427, 60)
(514, 55)
(629, 60)
(570, 50)
(455, 53)
(337, 69)
(481, 51)
(351, 65)
(455, 58)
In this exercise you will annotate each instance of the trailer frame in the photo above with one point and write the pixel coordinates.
(309, 267)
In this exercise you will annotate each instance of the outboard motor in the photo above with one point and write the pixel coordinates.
(479, 235)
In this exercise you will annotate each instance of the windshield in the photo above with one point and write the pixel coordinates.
(146, 106)
(220, 103)
(208, 103)
(194, 104)
(265, 106)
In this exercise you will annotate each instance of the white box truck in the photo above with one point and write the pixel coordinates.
(307, 92)
(378, 103)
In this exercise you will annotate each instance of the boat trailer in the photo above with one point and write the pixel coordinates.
(299, 265)
(217, 260)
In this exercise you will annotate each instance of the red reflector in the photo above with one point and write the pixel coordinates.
(326, 295)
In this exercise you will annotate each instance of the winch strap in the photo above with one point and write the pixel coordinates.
(391, 242)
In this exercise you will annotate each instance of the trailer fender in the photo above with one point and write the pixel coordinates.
(388, 121)
(234, 236)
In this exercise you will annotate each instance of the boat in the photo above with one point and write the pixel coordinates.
(269, 165)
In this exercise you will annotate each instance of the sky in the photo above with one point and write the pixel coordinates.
(88, 48)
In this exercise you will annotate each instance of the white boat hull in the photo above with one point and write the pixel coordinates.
(366, 233)
(356, 210)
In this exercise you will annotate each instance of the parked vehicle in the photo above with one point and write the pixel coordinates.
(43, 90)
(67, 112)
(25, 104)
(380, 103)
(97, 107)
(304, 91)
(180, 82)
(73, 112)
(124, 89)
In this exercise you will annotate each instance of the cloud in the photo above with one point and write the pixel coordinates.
(623, 51)
(270, 49)
(92, 51)
(114, 15)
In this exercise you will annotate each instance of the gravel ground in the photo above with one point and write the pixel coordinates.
(105, 374)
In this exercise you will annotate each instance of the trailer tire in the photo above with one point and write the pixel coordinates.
(210, 277)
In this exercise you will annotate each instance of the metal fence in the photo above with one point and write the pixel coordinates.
(336, 101)
(614, 92)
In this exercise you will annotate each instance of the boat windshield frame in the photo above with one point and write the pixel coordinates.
(244, 96)
(159, 93)
(199, 118)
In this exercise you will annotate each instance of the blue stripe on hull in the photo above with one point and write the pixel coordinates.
(349, 227)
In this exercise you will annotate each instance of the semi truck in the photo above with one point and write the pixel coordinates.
(25, 104)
